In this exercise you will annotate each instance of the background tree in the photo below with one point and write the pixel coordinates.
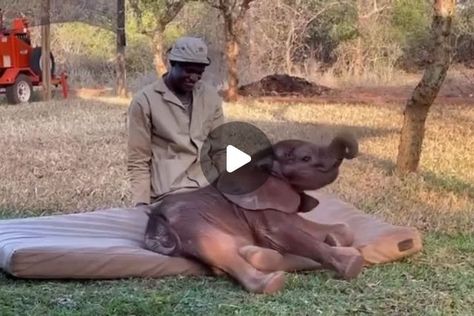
(121, 84)
(418, 105)
(284, 30)
(46, 48)
(163, 12)
(335, 43)
(233, 13)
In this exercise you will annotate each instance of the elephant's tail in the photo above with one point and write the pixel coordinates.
(160, 237)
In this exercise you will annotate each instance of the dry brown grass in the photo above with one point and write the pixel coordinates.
(62, 156)
(71, 156)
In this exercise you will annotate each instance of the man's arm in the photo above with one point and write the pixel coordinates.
(218, 147)
(139, 151)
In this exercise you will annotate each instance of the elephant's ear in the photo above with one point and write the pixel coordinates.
(308, 203)
(274, 194)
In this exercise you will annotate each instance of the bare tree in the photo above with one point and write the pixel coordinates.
(368, 12)
(233, 13)
(418, 105)
(121, 86)
(164, 12)
(46, 49)
(289, 25)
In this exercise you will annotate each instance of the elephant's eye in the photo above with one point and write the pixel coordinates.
(306, 158)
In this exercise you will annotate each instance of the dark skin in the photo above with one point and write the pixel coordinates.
(182, 77)
(229, 232)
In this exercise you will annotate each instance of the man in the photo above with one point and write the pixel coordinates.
(168, 123)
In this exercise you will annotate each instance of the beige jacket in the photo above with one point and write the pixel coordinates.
(164, 143)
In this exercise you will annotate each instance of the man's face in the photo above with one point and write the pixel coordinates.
(186, 75)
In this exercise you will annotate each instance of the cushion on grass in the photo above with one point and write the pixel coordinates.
(379, 241)
(108, 244)
(102, 244)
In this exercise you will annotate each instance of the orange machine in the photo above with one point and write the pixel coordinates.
(20, 63)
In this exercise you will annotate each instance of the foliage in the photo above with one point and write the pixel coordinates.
(80, 38)
(337, 24)
(304, 37)
(411, 20)
(464, 30)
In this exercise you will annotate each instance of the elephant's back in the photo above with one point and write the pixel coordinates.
(194, 213)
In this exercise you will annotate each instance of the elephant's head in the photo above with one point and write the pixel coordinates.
(297, 166)
(307, 166)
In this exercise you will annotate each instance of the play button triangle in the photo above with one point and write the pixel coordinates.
(230, 153)
(235, 158)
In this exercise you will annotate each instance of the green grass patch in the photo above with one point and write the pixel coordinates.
(70, 156)
(438, 281)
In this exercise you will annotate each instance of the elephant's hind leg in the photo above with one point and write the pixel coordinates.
(290, 233)
(266, 259)
(220, 250)
(337, 235)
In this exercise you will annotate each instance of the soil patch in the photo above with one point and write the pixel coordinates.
(284, 86)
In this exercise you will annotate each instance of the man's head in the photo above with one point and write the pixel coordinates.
(188, 59)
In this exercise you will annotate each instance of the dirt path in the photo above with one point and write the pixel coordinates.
(373, 95)
(287, 89)
(283, 88)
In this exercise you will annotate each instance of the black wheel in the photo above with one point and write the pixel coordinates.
(21, 91)
(35, 61)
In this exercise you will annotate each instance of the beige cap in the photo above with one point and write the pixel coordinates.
(190, 50)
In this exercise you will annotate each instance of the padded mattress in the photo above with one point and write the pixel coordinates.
(108, 244)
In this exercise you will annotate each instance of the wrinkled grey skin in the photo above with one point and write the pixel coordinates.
(227, 232)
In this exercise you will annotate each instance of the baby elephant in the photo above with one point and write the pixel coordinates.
(223, 230)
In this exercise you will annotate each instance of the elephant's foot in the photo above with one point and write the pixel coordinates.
(347, 262)
(275, 282)
(270, 283)
(340, 236)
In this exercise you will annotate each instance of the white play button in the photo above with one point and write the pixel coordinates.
(230, 152)
(235, 158)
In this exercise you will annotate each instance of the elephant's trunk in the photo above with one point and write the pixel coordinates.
(344, 146)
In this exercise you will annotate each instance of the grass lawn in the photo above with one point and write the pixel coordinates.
(439, 281)
(70, 156)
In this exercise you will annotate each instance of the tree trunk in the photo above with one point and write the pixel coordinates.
(160, 64)
(288, 48)
(358, 62)
(121, 84)
(46, 49)
(232, 48)
(416, 111)
(121, 89)
(232, 52)
(234, 28)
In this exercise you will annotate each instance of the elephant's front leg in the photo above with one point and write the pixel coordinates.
(220, 250)
(290, 233)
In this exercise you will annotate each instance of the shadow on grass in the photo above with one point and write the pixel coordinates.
(449, 183)
(437, 182)
(316, 130)
(13, 212)
(313, 132)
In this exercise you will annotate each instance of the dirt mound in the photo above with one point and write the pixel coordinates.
(283, 85)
